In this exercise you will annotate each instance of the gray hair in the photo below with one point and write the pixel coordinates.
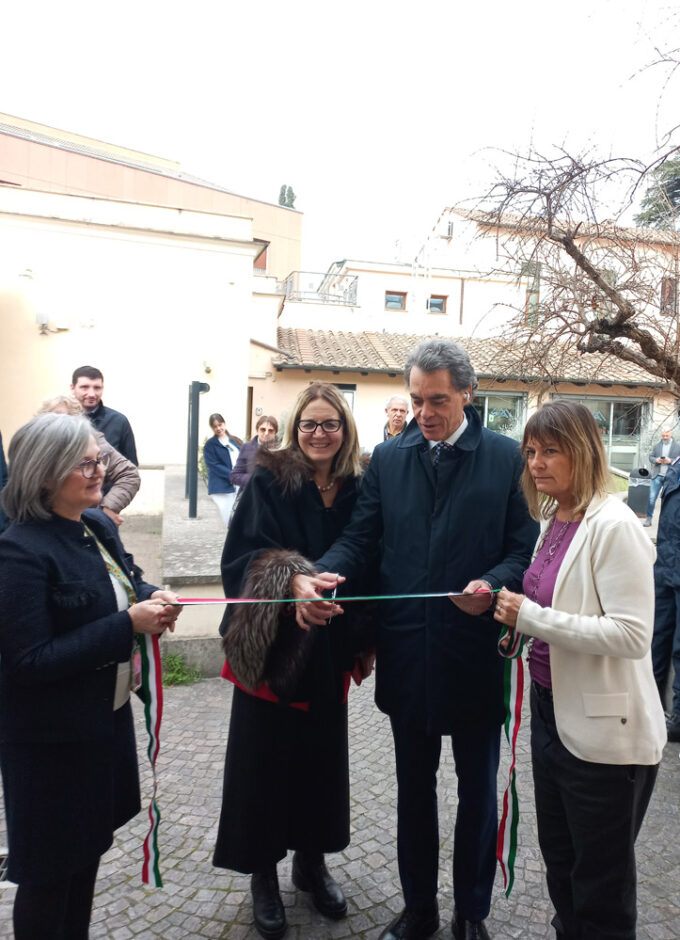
(431, 355)
(402, 398)
(41, 455)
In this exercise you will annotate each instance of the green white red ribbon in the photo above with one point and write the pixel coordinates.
(152, 688)
(506, 848)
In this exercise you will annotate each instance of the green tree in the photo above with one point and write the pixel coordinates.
(660, 206)
(287, 196)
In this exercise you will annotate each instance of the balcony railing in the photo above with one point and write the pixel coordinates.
(308, 287)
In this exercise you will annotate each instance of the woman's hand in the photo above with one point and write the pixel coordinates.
(507, 607)
(154, 615)
(317, 612)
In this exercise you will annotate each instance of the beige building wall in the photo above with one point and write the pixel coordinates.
(154, 298)
(115, 172)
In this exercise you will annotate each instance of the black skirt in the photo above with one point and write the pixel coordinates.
(64, 800)
(286, 783)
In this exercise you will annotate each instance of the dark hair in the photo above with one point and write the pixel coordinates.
(571, 426)
(269, 419)
(216, 416)
(431, 355)
(86, 372)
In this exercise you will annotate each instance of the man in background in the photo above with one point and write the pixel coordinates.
(396, 410)
(662, 455)
(87, 384)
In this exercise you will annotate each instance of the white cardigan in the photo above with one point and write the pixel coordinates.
(607, 707)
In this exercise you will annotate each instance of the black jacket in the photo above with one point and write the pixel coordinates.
(61, 634)
(116, 429)
(281, 509)
(436, 666)
(667, 566)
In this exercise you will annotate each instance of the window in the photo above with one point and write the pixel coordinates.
(260, 263)
(348, 392)
(532, 271)
(668, 299)
(620, 423)
(437, 303)
(395, 300)
(502, 413)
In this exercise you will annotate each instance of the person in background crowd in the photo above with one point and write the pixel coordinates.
(71, 603)
(4, 521)
(87, 384)
(662, 455)
(286, 775)
(220, 453)
(122, 480)
(396, 409)
(442, 503)
(267, 427)
(597, 726)
(666, 639)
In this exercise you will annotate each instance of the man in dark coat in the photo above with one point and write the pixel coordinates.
(4, 521)
(447, 518)
(666, 638)
(87, 384)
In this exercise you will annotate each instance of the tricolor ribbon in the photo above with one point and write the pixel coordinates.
(513, 680)
(196, 601)
(152, 687)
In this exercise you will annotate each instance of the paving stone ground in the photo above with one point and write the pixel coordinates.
(199, 901)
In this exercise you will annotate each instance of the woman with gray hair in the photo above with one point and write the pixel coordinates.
(71, 602)
(122, 480)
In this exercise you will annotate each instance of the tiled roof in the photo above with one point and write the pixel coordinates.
(494, 359)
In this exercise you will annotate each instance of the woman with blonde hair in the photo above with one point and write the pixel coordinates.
(286, 779)
(597, 726)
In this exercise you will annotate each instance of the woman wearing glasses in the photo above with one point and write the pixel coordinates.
(71, 601)
(286, 782)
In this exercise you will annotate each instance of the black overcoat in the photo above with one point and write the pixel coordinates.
(436, 666)
(68, 761)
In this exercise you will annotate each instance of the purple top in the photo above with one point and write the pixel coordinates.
(539, 586)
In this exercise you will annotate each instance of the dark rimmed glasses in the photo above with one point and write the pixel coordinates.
(330, 426)
(88, 468)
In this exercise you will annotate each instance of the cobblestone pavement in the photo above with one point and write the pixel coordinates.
(198, 900)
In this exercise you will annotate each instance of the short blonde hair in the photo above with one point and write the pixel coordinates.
(571, 426)
(69, 404)
(346, 461)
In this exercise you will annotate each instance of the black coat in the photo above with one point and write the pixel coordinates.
(281, 508)
(667, 566)
(436, 666)
(68, 761)
(116, 429)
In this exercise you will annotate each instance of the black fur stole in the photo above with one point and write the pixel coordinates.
(263, 642)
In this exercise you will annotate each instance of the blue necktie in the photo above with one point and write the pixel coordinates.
(439, 448)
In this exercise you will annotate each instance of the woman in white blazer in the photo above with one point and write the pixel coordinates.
(597, 726)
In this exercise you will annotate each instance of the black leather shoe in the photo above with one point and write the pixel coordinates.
(673, 727)
(468, 929)
(268, 910)
(310, 874)
(412, 925)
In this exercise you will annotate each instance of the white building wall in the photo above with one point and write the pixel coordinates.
(153, 307)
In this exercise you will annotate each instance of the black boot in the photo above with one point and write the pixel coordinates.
(310, 874)
(268, 910)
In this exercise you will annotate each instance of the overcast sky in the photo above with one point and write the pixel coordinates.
(379, 113)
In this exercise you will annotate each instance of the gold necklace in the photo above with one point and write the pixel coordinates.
(326, 488)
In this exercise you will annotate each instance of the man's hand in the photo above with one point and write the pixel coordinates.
(117, 518)
(315, 612)
(478, 598)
